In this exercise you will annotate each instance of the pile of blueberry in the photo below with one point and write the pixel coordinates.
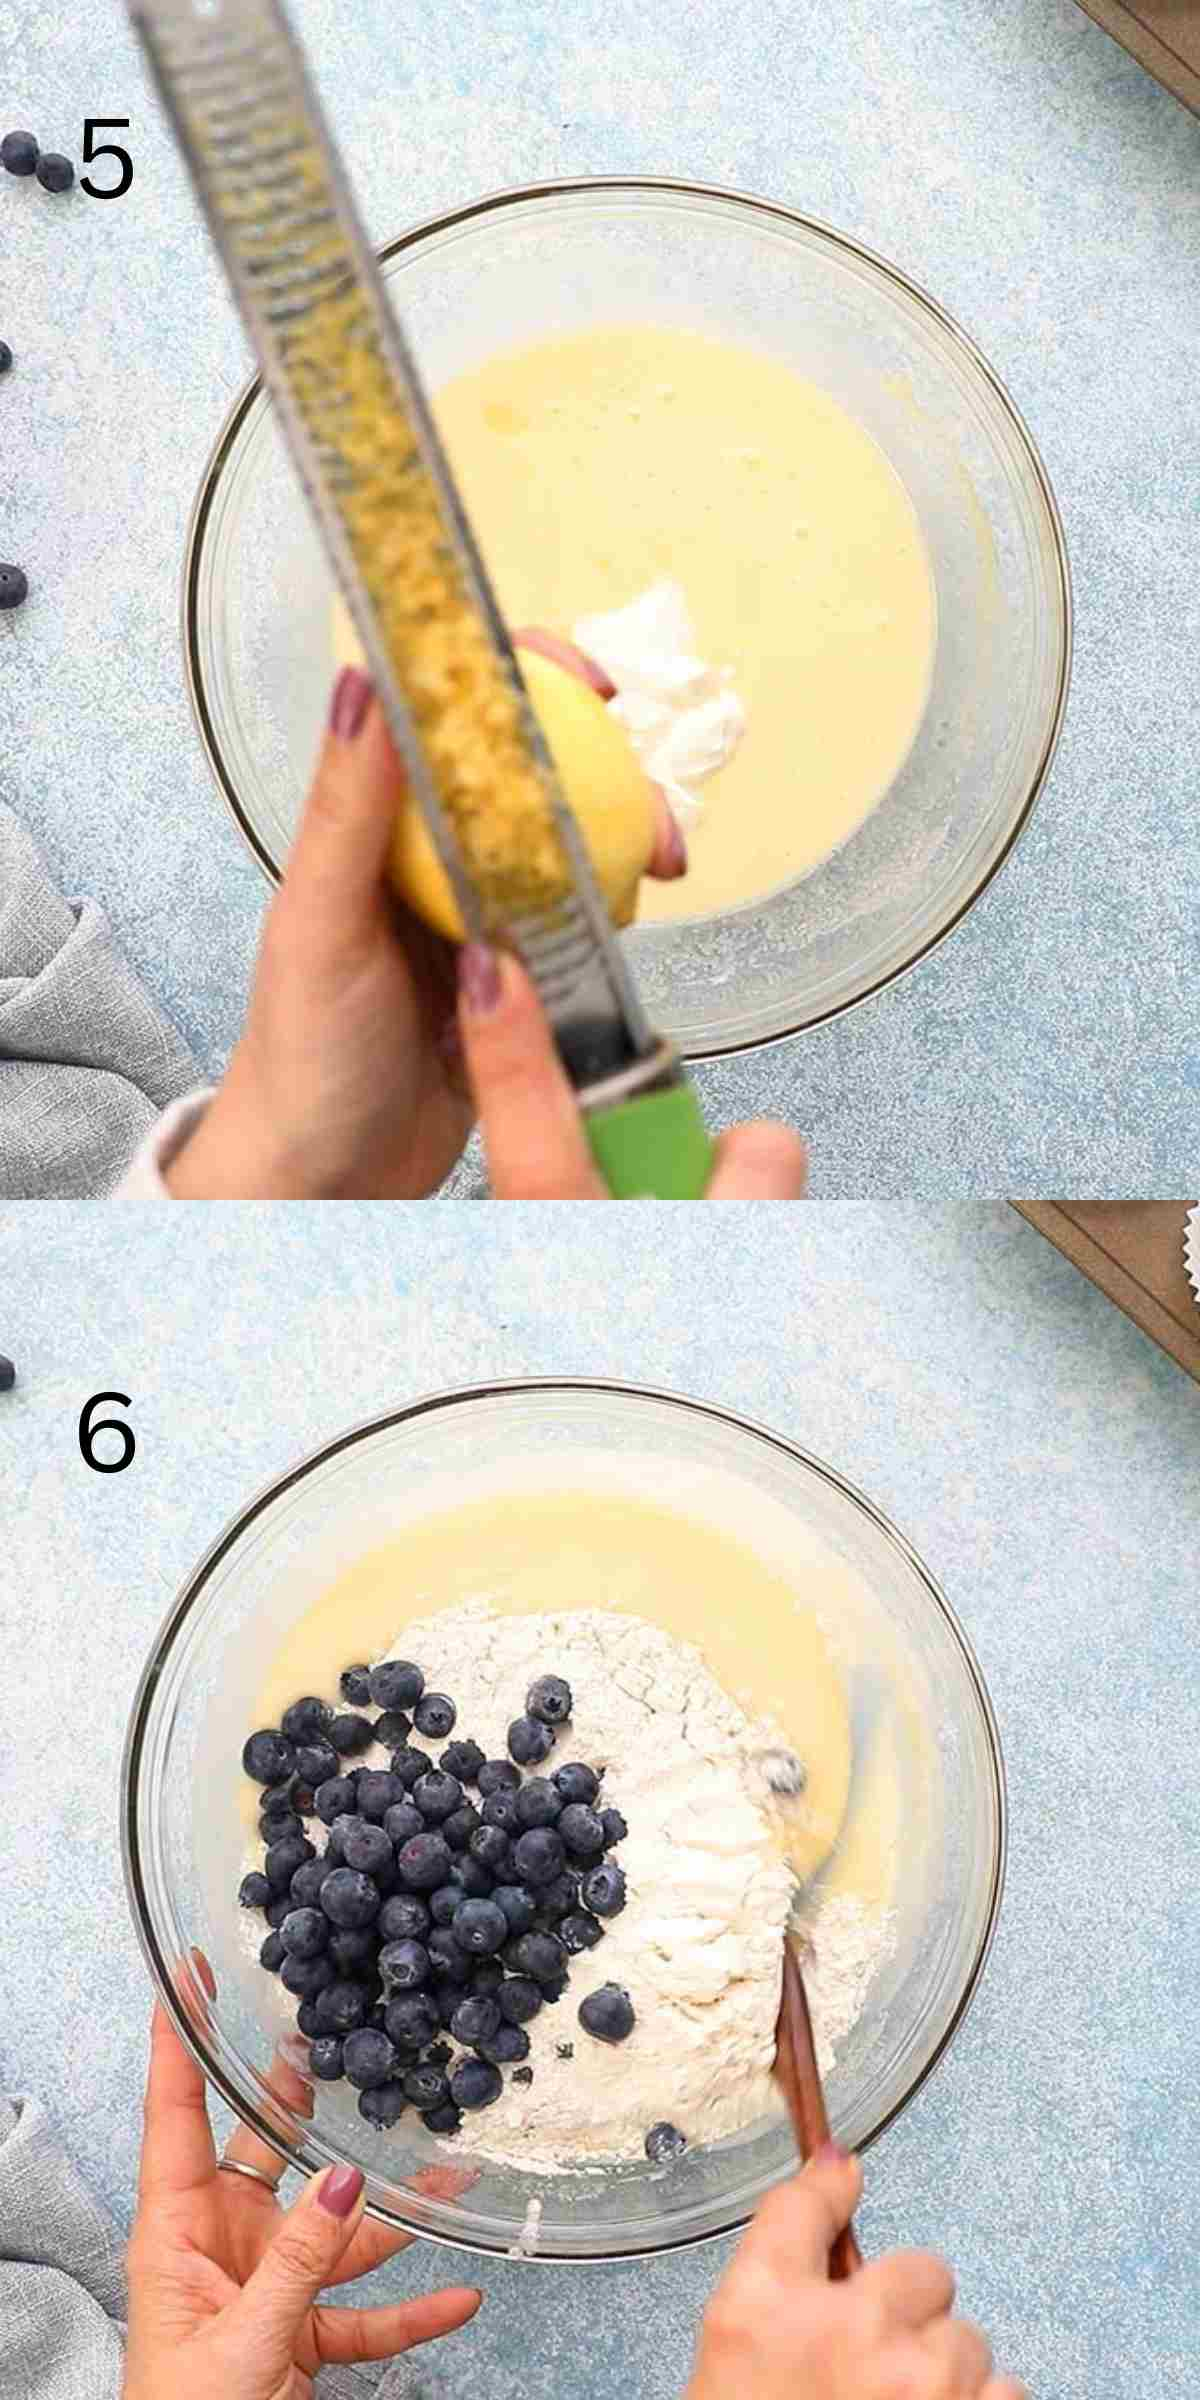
(429, 1913)
(22, 154)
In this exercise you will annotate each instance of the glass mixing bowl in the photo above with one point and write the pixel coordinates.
(522, 266)
(184, 1830)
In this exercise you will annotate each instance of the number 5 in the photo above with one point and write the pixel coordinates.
(93, 150)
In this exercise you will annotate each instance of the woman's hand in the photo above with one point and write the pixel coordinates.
(224, 2286)
(777, 2327)
(348, 1081)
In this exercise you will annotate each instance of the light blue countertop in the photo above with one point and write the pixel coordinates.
(1039, 1452)
(1004, 152)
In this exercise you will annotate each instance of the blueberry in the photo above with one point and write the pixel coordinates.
(342, 2006)
(549, 1699)
(435, 1716)
(577, 1782)
(538, 1857)
(411, 2020)
(505, 2047)
(446, 1999)
(490, 1847)
(579, 1932)
(267, 1758)
(338, 1831)
(279, 1908)
(445, 2120)
(284, 1857)
(463, 1759)
(520, 1999)
(518, 1904)
(350, 1735)
(304, 1932)
(500, 1810)
(315, 1763)
(559, 1898)
(607, 2014)
(253, 1891)
(8, 1373)
(539, 1955)
(664, 2142)
(365, 1847)
(439, 2054)
(529, 1741)
(335, 1798)
(475, 2020)
(553, 1992)
(306, 1720)
(487, 1975)
(396, 1683)
(272, 1954)
(54, 172)
(426, 2086)
(276, 1825)
(405, 1918)
(393, 1728)
(475, 2084)
(522, 2074)
(19, 153)
(438, 1796)
(404, 1966)
(476, 1880)
(368, 2057)
(444, 1902)
(306, 1978)
(458, 1828)
(480, 1928)
(401, 1822)
(383, 2104)
(352, 1948)
(349, 1898)
(582, 1831)
(537, 1803)
(424, 1863)
(354, 1684)
(497, 1775)
(378, 1791)
(410, 1765)
(615, 1827)
(307, 2019)
(449, 1963)
(604, 1890)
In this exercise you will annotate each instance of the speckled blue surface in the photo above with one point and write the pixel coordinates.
(1014, 161)
(1039, 1452)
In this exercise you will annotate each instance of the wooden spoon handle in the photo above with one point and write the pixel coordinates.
(798, 2075)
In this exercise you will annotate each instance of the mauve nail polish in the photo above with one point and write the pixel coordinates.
(479, 978)
(351, 700)
(340, 2190)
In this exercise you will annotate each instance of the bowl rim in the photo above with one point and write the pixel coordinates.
(429, 1404)
(559, 188)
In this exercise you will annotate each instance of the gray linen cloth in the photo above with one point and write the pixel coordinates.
(62, 2281)
(86, 1061)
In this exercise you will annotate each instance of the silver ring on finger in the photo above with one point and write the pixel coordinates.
(237, 2166)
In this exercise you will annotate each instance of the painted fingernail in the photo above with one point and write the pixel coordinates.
(676, 862)
(830, 2154)
(340, 2190)
(350, 702)
(479, 978)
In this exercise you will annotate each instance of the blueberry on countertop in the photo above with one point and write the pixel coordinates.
(615, 1827)
(411, 2020)
(579, 1932)
(410, 1765)
(6, 358)
(479, 1928)
(350, 1735)
(664, 2142)
(449, 1963)
(487, 1975)
(284, 1857)
(539, 1955)
(519, 1906)
(382, 2104)
(490, 1846)
(316, 1763)
(608, 2014)
(354, 1684)
(335, 1798)
(349, 1898)
(353, 1947)
(475, 2020)
(267, 1758)
(404, 1966)
(538, 1857)
(8, 1374)
(445, 2120)
(500, 1809)
(54, 172)
(444, 1903)
(497, 1775)
(307, 2020)
(537, 1803)
(14, 588)
(435, 1716)
(396, 1683)
(559, 1898)
(342, 2007)
(478, 1881)
(426, 2085)
(306, 1720)
(254, 1892)
(367, 2057)
(549, 1699)
(365, 1847)
(519, 1999)
(476, 2084)
(403, 1822)
(506, 2047)
(272, 1954)
(304, 1932)
(424, 1863)
(376, 1791)
(581, 1830)
(306, 1978)
(460, 1825)
(437, 1796)
(463, 1759)
(577, 1782)
(530, 1741)
(404, 1918)
(393, 1728)
(604, 1890)
(19, 152)
(278, 1908)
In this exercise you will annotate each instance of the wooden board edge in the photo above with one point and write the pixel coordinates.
(1150, 51)
(1051, 1218)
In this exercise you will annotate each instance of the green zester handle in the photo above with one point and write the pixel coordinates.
(654, 1148)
